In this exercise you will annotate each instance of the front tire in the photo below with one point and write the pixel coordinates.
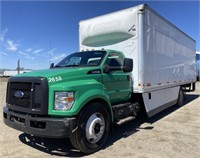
(93, 128)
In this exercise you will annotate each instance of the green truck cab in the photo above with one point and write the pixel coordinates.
(79, 98)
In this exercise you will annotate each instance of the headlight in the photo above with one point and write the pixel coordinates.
(63, 100)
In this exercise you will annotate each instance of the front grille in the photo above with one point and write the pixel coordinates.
(25, 88)
(28, 94)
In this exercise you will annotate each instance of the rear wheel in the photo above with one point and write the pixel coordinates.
(93, 128)
(180, 97)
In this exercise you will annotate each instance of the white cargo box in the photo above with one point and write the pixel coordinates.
(163, 55)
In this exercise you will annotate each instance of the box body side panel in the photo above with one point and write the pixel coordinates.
(169, 54)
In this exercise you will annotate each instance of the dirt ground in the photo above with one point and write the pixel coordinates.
(174, 133)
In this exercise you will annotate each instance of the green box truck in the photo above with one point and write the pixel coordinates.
(132, 60)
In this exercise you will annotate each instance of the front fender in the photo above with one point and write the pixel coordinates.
(85, 91)
(94, 94)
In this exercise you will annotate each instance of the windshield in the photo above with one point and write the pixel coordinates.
(90, 58)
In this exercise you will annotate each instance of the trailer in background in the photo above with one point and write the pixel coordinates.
(10, 73)
(198, 65)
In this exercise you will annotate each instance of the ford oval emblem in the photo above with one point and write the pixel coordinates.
(19, 94)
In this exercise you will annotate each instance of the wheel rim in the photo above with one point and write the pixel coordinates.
(95, 128)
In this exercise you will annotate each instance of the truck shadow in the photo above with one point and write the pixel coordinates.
(59, 147)
(63, 147)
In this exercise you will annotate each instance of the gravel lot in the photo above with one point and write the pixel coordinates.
(173, 133)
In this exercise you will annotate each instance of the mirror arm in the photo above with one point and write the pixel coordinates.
(52, 65)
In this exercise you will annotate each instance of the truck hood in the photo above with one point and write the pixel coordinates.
(62, 74)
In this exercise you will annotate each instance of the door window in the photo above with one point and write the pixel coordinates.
(114, 60)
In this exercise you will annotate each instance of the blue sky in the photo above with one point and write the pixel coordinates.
(28, 28)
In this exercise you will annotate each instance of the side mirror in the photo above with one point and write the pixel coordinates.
(52, 65)
(128, 65)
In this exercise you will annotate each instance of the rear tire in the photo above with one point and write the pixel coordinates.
(93, 128)
(180, 97)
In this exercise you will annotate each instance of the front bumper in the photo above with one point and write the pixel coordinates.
(39, 126)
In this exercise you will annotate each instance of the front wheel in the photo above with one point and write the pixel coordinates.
(93, 128)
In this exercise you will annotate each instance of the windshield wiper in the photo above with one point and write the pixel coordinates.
(71, 65)
(57, 66)
(65, 66)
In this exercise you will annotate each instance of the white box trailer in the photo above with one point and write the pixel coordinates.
(10, 73)
(163, 55)
(198, 65)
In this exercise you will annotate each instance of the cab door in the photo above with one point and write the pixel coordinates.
(116, 82)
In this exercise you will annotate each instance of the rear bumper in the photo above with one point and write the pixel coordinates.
(39, 126)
